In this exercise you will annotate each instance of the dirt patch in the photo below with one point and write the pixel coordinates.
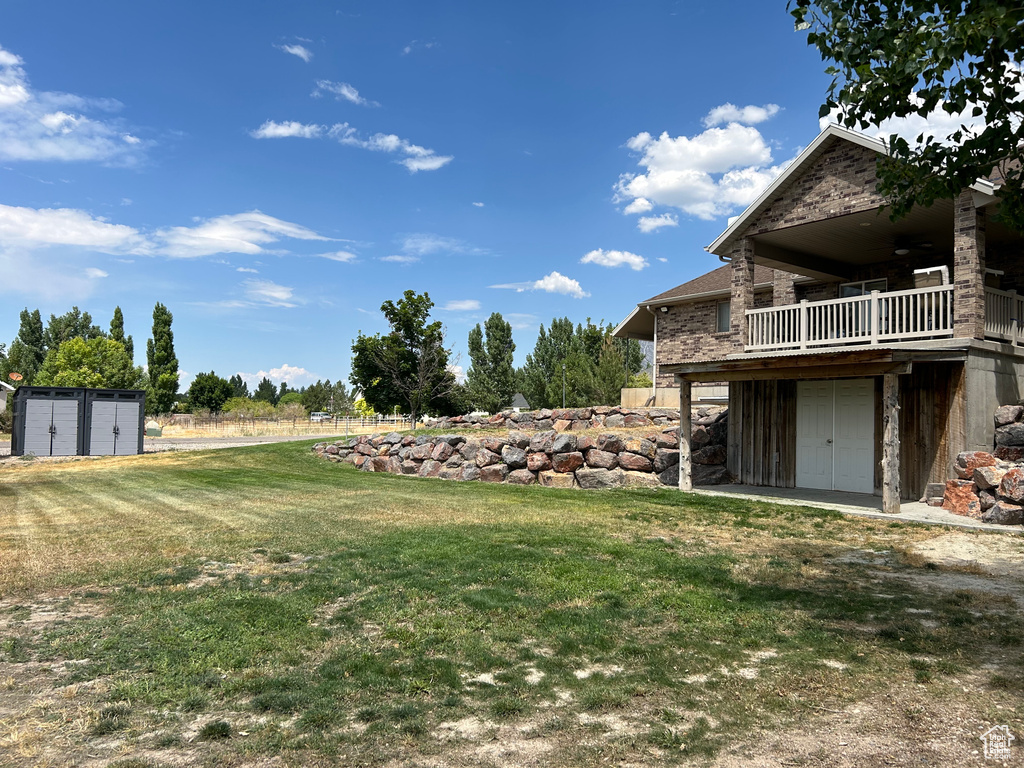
(994, 555)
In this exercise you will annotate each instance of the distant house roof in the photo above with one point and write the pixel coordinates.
(6, 386)
(716, 281)
(519, 401)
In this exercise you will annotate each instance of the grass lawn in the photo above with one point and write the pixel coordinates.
(231, 607)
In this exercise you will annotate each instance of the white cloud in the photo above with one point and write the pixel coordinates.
(479, 205)
(236, 233)
(294, 375)
(663, 260)
(343, 256)
(416, 158)
(37, 227)
(268, 293)
(614, 259)
(342, 91)
(551, 283)
(425, 244)
(94, 274)
(288, 130)
(297, 50)
(458, 372)
(939, 124)
(749, 115)
(520, 320)
(707, 175)
(416, 44)
(52, 126)
(651, 223)
(248, 269)
(462, 305)
(400, 259)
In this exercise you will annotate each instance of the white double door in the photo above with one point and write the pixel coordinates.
(835, 435)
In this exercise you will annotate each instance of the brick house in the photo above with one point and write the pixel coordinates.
(861, 354)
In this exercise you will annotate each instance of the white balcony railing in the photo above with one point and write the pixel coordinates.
(1004, 311)
(920, 313)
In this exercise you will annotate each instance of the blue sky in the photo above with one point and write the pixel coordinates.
(273, 172)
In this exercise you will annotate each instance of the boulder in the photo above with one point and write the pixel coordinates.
(538, 462)
(543, 424)
(410, 467)
(332, 450)
(987, 477)
(710, 454)
(601, 459)
(667, 439)
(1012, 485)
(670, 476)
(635, 420)
(611, 443)
(641, 480)
(542, 441)
(552, 479)
(567, 462)
(579, 425)
(394, 465)
(519, 440)
(562, 425)
(635, 462)
(485, 458)
(593, 479)
(987, 499)
(1009, 452)
(442, 452)
(453, 440)
(614, 420)
(430, 468)
(521, 477)
(421, 452)
(1004, 513)
(469, 449)
(584, 443)
(664, 459)
(641, 447)
(365, 449)
(493, 444)
(455, 460)
(564, 444)
(494, 473)
(514, 457)
(450, 473)
(709, 474)
(1007, 414)
(968, 461)
(583, 414)
(392, 438)
(1011, 434)
(379, 463)
(961, 498)
(469, 471)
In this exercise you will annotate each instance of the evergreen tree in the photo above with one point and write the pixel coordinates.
(27, 351)
(163, 365)
(209, 391)
(491, 379)
(266, 392)
(71, 325)
(238, 387)
(117, 333)
(611, 373)
(283, 391)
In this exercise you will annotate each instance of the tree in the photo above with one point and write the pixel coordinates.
(117, 333)
(208, 391)
(238, 387)
(899, 58)
(98, 362)
(292, 411)
(290, 397)
(265, 392)
(71, 325)
(610, 376)
(408, 367)
(283, 391)
(491, 380)
(163, 365)
(27, 351)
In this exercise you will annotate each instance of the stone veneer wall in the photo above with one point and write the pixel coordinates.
(990, 486)
(550, 458)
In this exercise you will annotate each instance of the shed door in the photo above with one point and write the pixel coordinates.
(101, 434)
(835, 435)
(38, 420)
(126, 439)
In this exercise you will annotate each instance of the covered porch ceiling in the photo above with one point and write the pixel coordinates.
(639, 324)
(837, 247)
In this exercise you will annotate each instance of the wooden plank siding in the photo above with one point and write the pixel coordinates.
(932, 428)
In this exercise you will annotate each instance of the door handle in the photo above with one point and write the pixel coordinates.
(829, 441)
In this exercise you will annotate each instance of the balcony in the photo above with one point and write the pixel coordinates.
(877, 318)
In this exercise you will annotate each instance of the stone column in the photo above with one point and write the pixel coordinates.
(742, 297)
(783, 290)
(968, 269)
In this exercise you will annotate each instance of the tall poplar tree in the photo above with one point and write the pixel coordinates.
(27, 351)
(117, 333)
(491, 379)
(163, 365)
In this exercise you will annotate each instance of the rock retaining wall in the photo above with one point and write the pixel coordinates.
(547, 457)
(990, 486)
(568, 419)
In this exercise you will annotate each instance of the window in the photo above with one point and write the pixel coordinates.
(861, 288)
(724, 317)
(931, 277)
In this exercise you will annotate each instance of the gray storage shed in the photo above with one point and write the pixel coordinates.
(75, 421)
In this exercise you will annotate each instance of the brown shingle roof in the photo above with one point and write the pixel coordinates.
(716, 280)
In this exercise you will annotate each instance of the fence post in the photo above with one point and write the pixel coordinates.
(873, 317)
(803, 323)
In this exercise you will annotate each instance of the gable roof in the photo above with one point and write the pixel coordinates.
(716, 281)
(832, 133)
(6, 386)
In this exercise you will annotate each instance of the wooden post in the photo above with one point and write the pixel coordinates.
(685, 465)
(890, 443)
